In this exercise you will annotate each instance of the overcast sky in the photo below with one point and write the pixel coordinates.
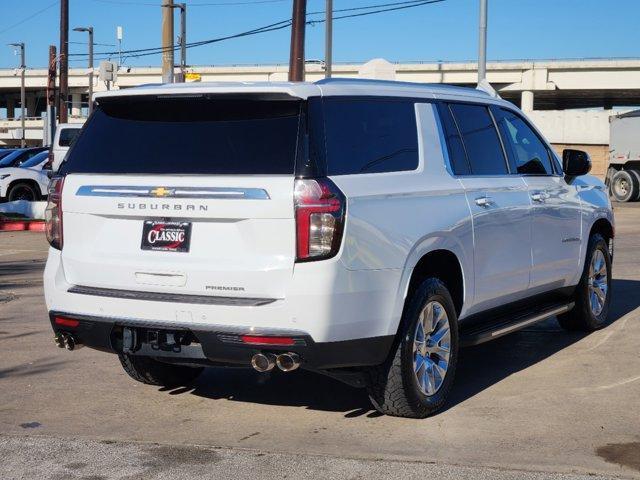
(532, 29)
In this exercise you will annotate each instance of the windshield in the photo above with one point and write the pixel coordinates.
(215, 135)
(4, 153)
(9, 160)
(35, 160)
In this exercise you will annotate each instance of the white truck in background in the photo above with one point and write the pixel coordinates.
(64, 137)
(623, 175)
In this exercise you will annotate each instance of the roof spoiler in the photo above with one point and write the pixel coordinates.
(485, 86)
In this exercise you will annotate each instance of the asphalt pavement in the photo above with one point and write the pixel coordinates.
(540, 403)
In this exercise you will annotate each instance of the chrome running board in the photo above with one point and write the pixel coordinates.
(486, 331)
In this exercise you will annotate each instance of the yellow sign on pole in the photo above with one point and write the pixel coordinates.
(192, 77)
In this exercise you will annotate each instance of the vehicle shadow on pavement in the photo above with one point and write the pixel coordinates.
(479, 368)
(484, 365)
(295, 389)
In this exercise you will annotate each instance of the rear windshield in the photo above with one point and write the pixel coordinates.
(188, 135)
(67, 136)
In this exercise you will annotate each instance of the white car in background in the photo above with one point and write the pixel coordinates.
(66, 134)
(28, 181)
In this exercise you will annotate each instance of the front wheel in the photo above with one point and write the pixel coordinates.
(152, 372)
(22, 191)
(416, 379)
(593, 293)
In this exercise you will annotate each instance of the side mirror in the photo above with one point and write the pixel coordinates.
(575, 162)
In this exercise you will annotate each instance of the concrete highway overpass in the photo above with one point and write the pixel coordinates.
(550, 91)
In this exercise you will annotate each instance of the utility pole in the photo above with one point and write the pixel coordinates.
(51, 94)
(64, 60)
(482, 50)
(167, 41)
(89, 30)
(328, 39)
(23, 101)
(183, 40)
(296, 55)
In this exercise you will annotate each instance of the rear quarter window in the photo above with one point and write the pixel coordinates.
(370, 135)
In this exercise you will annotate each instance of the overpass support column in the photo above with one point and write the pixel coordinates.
(11, 107)
(526, 101)
(31, 106)
(76, 104)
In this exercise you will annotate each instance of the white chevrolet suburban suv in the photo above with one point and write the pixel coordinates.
(364, 230)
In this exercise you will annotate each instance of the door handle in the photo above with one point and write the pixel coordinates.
(539, 197)
(484, 201)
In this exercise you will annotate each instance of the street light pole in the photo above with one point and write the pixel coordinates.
(23, 95)
(328, 39)
(89, 30)
(482, 43)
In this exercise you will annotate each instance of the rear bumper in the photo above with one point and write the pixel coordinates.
(220, 346)
(324, 300)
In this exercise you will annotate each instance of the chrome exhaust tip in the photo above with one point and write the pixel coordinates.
(263, 362)
(69, 342)
(59, 340)
(288, 362)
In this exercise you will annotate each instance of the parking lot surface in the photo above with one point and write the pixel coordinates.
(537, 402)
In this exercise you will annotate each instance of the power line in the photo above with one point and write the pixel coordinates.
(26, 19)
(380, 8)
(207, 4)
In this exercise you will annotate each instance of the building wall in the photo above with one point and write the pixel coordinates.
(579, 127)
(599, 156)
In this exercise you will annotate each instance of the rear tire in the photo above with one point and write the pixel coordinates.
(410, 383)
(625, 186)
(637, 175)
(22, 191)
(152, 372)
(585, 316)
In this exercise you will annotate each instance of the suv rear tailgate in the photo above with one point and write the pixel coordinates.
(242, 234)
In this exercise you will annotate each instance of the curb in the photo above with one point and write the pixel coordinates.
(21, 226)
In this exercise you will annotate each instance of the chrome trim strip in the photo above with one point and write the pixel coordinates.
(172, 192)
(170, 297)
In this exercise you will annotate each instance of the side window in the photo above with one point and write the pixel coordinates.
(67, 136)
(480, 138)
(528, 153)
(370, 136)
(457, 155)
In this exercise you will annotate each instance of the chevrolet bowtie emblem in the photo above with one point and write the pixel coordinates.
(161, 192)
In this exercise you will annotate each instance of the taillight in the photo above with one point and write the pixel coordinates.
(320, 215)
(53, 213)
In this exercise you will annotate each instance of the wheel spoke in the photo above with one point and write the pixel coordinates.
(418, 363)
(600, 294)
(441, 367)
(432, 378)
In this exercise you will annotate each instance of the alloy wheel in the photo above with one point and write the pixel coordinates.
(598, 282)
(431, 348)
